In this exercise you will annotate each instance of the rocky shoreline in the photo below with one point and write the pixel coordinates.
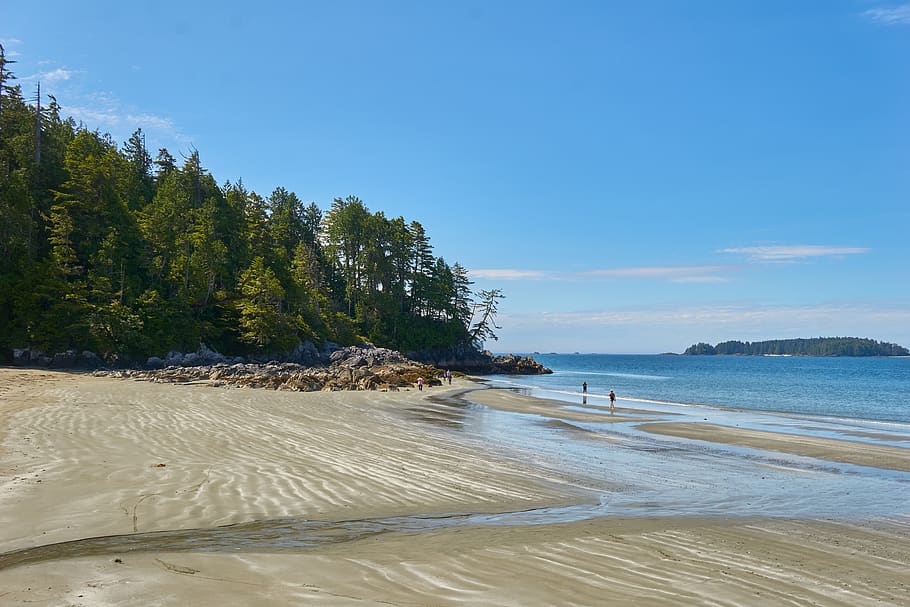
(334, 368)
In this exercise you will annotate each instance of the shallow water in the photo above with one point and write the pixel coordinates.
(642, 474)
(875, 389)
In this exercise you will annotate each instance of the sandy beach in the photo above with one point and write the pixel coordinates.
(123, 492)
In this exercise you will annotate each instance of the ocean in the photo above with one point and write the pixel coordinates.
(871, 389)
(862, 400)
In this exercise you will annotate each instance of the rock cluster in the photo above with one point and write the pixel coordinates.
(476, 362)
(71, 359)
(511, 364)
(305, 369)
(352, 368)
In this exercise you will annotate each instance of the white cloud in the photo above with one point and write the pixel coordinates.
(57, 75)
(787, 253)
(95, 117)
(740, 315)
(671, 273)
(106, 113)
(894, 15)
(150, 121)
(694, 274)
(505, 274)
(52, 77)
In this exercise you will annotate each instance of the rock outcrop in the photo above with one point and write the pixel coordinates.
(305, 369)
(512, 364)
(27, 357)
(476, 362)
(351, 368)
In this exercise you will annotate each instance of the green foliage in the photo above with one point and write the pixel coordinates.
(262, 323)
(701, 348)
(110, 250)
(487, 308)
(819, 346)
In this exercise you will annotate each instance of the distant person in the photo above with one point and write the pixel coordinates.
(449, 377)
(612, 399)
(584, 387)
(420, 384)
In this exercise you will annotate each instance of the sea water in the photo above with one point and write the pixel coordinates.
(872, 389)
(864, 400)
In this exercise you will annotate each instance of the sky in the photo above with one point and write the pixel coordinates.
(635, 177)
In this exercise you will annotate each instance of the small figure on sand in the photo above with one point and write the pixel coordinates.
(420, 384)
(584, 387)
(612, 398)
(449, 377)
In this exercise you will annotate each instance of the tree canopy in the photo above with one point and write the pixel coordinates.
(818, 346)
(105, 249)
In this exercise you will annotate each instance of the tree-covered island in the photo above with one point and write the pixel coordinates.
(818, 346)
(109, 250)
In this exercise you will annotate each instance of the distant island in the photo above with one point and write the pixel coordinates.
(817, 346)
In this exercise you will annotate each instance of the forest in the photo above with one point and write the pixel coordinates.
(818, 346)
(108, 249)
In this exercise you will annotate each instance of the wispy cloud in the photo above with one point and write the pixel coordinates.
(103, 110)
(666, 273)
(57, 75)
(790, 253)
(506, 274)
(671, 273)
(739, 315)
(51, 77)
(106, 112)
(892, 15)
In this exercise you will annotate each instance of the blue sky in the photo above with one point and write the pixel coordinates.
(634, 176)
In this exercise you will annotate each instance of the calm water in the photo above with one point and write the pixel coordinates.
(864, 400)
(874, 389)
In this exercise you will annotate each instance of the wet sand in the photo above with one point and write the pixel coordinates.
(392, 489)
(877, 456)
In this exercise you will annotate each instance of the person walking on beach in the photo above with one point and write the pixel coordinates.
(612, 398)
(584, 387)
(449, 377)
(420, 384)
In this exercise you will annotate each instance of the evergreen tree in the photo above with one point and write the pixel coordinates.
(109, 250)
(487, 308)
(262, 323)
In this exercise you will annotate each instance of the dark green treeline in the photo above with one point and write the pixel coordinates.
(110, 250)
(817, 346)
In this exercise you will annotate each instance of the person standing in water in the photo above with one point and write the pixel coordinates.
(584, 387)
(612, 398)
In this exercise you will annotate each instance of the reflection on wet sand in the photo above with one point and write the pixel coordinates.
(679, 462)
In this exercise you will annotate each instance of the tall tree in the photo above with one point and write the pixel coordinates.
(486, 308)
(461, 294)
(138, 187)
(262, 322)
(346, 228)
